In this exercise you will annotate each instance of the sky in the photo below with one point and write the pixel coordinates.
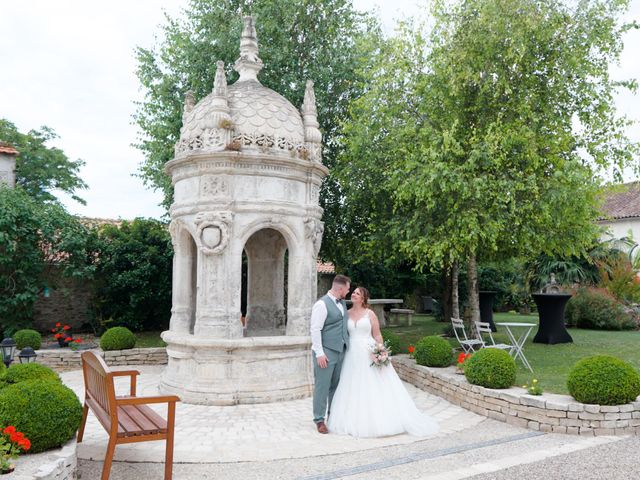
(70, 65)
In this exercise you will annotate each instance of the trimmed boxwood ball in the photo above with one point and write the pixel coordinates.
(22, 372)
(393, 341)
(491, 368)
(603, 380)
(27, 338)
(46, 411)
(117, 338)
(433, 352)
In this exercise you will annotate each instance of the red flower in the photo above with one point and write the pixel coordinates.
(25, 444)
(53, 330)
(66, 327)
(58, 324)
(411, 349)
(57, 336)
(78, 340)
(68, 339)
(10, 430)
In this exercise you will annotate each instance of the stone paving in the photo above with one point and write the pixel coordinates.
(279, 441)
(258, 432)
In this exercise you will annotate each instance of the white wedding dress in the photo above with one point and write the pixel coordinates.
(371, 401)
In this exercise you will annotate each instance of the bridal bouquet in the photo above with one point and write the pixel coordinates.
(380, 354)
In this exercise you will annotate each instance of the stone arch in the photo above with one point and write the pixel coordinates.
(185, 278)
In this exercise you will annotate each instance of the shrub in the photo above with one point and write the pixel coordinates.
(27, 338)
(597, 309)
(603, 380)
(22, 372)
(392, 340)
(491, 368)
(433, 352)
(117, 338)
(46, 411)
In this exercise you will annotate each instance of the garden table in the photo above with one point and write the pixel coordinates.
(519, 344)
(377, 305)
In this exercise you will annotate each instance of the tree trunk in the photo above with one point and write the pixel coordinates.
(455, 301)
(446, 294)
(474, 296)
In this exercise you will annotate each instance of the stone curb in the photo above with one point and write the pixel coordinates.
(547, 413)
(60, 464)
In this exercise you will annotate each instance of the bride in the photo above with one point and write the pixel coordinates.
(371, 401)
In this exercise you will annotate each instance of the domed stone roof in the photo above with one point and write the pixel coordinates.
(247, 114)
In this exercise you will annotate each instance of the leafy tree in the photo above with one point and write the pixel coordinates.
(41, 169)
(322, 40)
(133, 274)
(34, 237)
(484, 139)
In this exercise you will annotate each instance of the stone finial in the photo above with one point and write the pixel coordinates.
(249, 64)
(309, 111)
(189, 101)
(220, 82)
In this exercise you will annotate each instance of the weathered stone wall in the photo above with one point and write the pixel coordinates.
(69, 302)
(547, 413)
(58, 464)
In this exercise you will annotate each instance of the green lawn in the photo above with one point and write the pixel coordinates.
(551, 363)
(149, 340)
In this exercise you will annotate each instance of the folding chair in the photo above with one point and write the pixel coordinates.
(468, 345)
(485, 327)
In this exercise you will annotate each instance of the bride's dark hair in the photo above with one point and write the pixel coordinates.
(365, 296)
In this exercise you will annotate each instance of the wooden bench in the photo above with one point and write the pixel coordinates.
(127, 419)
(404, 314)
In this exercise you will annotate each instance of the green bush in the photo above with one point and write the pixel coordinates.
(27, 338)
(603, 380)
(597, 309)
(392, 340)
(117, 338)
(46, 411)
(433, 352)
(22, 372)
(491, 368)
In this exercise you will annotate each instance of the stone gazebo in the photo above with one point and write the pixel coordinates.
(247, 173)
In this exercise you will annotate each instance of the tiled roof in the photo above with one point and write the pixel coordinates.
(325, 267)
(7, 149)
(622, 201)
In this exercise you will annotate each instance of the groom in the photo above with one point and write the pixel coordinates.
(329, 341)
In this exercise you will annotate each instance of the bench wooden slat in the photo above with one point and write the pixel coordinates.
(141, 419)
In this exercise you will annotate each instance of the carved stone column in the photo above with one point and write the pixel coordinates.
(184, 280)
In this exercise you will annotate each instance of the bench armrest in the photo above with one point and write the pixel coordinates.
(146, 400)
(122, 373)
(128, 373)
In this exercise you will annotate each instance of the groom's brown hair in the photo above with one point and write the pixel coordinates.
(341, 280)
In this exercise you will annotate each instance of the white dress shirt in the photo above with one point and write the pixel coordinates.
(318, 317)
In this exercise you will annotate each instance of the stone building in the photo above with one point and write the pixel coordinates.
(7, 164)
(247, 173)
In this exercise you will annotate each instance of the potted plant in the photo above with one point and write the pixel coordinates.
(12, 443)
(62, 333)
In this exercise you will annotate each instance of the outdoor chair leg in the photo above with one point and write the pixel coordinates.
(85, 413)
(108, 459)
(168, 459)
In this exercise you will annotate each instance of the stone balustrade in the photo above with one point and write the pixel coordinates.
(547, 412)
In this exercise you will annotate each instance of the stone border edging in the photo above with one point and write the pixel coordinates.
(547, 412)
(67, 358)
(58, 464)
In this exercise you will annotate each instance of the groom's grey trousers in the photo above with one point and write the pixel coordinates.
(326, 382)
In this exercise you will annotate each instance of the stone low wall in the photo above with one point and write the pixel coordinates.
(67, 359)
(547, 412)
(59, 464)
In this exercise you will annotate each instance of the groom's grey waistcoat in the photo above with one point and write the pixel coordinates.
(334, 332)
